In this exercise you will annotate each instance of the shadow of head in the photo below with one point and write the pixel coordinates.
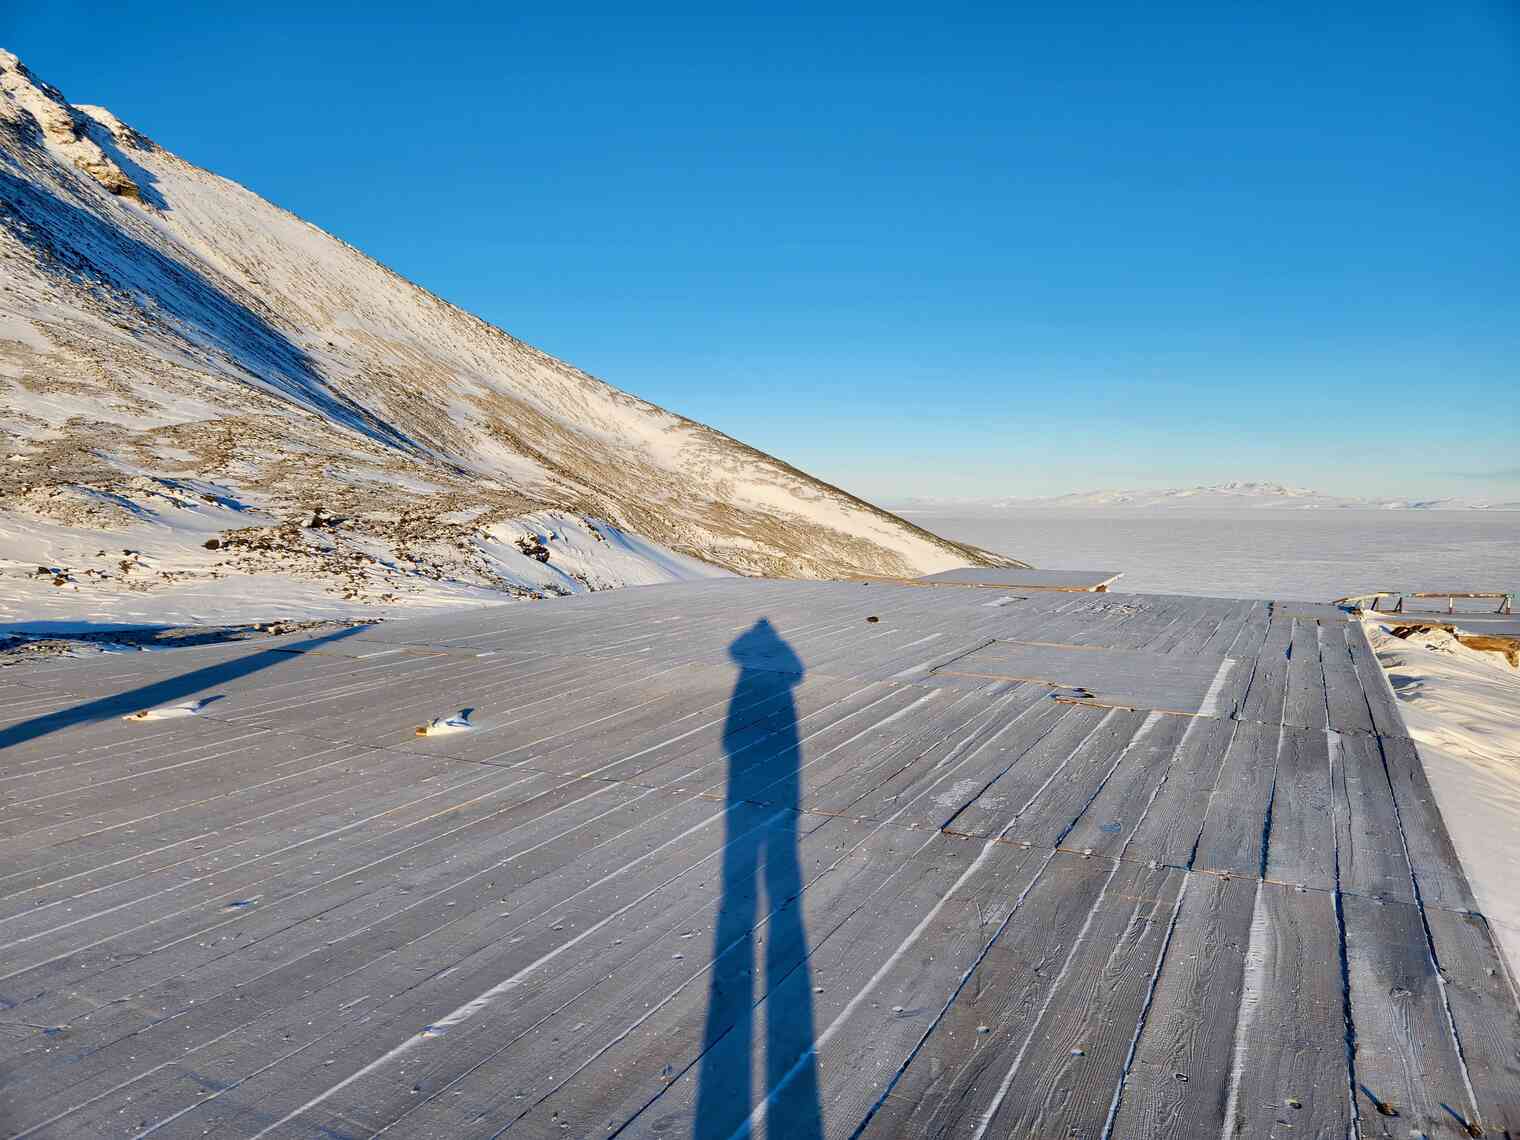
(761, 647)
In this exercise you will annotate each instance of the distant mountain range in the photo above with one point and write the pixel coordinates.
(1235, 494)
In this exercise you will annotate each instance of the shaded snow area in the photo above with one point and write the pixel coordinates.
(1462, 707)
(194, 557)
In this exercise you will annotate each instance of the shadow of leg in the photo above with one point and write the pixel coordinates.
(723, 1091)
(791, 1069)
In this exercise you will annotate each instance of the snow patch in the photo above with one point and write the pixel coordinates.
(1462, 707)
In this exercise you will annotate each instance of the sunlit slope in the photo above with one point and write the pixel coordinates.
(159, 322)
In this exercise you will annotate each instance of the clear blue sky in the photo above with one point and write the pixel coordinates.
(929, 249)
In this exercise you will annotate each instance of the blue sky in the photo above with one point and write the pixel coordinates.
(996, 249)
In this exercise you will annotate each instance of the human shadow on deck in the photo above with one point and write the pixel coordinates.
(161, 692)
(763, 764)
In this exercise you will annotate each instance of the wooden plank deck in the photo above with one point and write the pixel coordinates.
(728, 857)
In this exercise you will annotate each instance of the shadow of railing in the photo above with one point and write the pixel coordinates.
(161, 692)
(763, 778)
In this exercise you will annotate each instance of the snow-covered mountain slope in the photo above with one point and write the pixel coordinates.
(171, 342)
(1218, 496)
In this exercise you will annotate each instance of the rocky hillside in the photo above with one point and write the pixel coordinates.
(177, 353)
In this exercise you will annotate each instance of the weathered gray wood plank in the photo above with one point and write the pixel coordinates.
(1235, 822)
(575, 1024)
(983, 808)
(1305, 705)
(1369, 849)
(860, 960)
(1485, 1013)
(928, 740)
(1109, 822)
(1049, 814)
(1184, 1053)
(817, 714)
(185, 960)
(378, 889)
(931, 791)
(1076, 580)
(1437, 870)
(1128, 678)
(1265, 699)
(1409, 1076)
(1290, 1074)
(1301, 839)
(1375, 687)
(1310, 611)
(1174, 818)
(1065, 1083)
(869, 1045)
(848, 761)
(1236, 616)
(448, 947)
(954, 1076)
(599, 1074)
(1252, 633)
(144, 845)
(1347, 702)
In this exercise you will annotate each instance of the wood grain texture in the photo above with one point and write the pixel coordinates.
(1301, 838)
(1481, 997)
(1369, 847)
(1437, 870)
(1409, 1075)
(1183, 1055)
(1236, 824)
(1174, 820)
(1265, 699)
(1348, 708)
(991, 912)
(1381, 705)
(954, 1077)
(1066, 1081)
(1305, 703)
(1290, 1073)
(1109, 822)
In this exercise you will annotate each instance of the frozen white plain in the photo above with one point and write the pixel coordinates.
(1251, 553)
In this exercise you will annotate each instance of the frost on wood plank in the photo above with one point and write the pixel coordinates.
(1111, 677)
(725, 852)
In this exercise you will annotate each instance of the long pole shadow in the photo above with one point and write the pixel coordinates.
(161, 692)
(762, 780)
